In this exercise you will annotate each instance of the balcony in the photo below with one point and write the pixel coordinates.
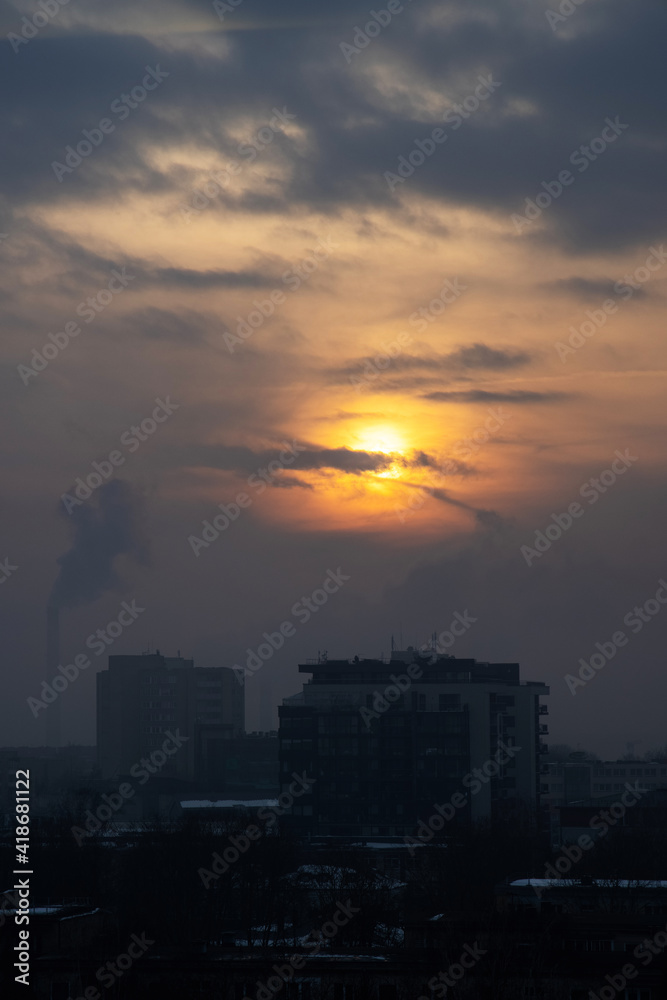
(542, 748)
(543, 709)
(543, 730)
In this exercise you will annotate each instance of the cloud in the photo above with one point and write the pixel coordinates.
(354, 127)
(476, 356)
(587, 289)
(484, 357)
(180, 277)
(489, 519)
(244, 460)
(488, 396)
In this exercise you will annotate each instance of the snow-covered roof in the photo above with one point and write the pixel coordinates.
(323, 876)
(377, 845)
(601, 883)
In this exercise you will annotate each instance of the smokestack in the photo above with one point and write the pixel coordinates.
(53, 714)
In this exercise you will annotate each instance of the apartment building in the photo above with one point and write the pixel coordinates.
(142, 698)
(388, 741)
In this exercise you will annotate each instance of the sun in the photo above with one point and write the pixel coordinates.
(385, 440)
(382, 439)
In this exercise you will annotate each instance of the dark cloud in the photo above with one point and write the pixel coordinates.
(488, 519)
(587, 289)
(489, 396)
(179, 277)
(241, 459)
(476, 356)
(484, 357)
(244, 460)
(542, 112)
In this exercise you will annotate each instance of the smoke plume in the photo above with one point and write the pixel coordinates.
(108, 526)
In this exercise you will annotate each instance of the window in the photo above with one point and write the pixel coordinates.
(418, 702)
(343, 992)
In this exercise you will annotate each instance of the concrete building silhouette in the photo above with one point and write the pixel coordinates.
(141, 698)
(387, 741)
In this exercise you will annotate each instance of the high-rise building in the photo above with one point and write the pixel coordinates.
(140, 699)
(387, 742)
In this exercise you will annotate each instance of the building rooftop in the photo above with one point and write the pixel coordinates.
(434, 668)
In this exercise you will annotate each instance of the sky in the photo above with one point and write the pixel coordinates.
(411, 256)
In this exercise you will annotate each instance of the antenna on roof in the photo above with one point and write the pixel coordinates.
(393, 647)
